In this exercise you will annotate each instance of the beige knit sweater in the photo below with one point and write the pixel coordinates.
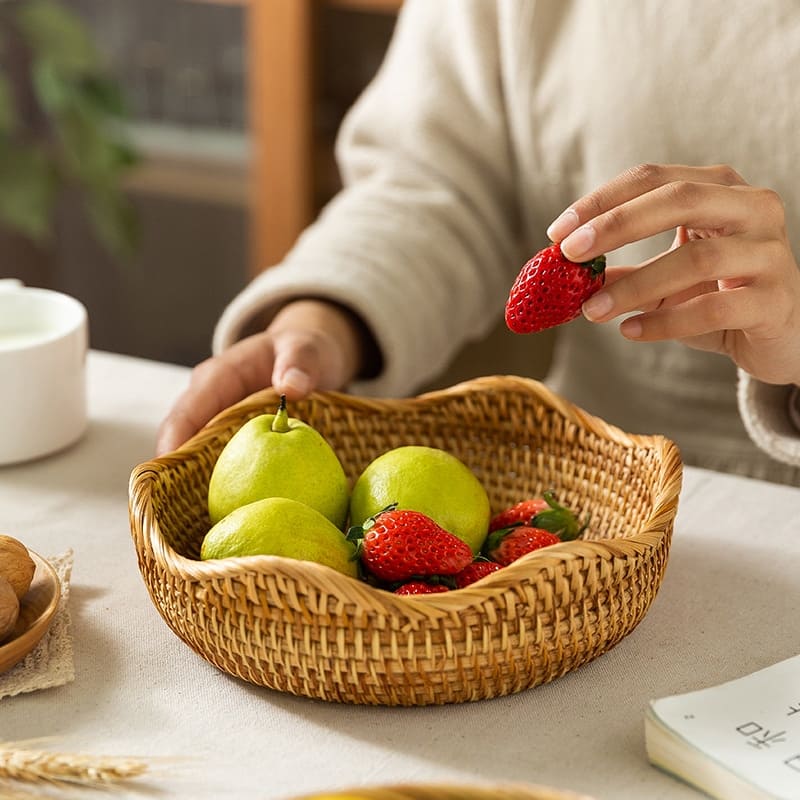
(486, 120)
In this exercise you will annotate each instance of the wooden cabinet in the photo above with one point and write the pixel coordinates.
(292, 121)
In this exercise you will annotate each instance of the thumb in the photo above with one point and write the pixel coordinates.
(298, 365)
(294, 382)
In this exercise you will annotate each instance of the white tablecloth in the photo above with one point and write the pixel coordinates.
(728, 606)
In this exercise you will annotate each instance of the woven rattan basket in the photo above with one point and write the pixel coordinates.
(408, 791)
(302, 628)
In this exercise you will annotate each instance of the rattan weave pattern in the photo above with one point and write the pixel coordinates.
(302, 628)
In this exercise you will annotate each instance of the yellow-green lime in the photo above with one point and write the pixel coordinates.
(429, 480)
(278, 526)
(275, 455)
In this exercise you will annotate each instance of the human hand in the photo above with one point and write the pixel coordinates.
(309, 345)
(729, 283)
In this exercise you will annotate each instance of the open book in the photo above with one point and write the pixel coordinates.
(736, 741)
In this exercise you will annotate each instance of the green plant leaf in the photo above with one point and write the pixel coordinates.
(27, 189)
(52, 31)
(81, 147)
(8, 112)
(53, 89)
(95, 162)
(113, 219)
(104, 95)
(89, 152)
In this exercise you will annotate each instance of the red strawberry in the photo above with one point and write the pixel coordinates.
(550, 290)
(509, 544)
(396, 545)
(540, 512)
(518, 514)
(420, 587)
(475, 571)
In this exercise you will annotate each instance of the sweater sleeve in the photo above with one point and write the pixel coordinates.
(771, 415)
(422, 242)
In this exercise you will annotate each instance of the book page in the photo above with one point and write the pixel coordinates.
(751, 725)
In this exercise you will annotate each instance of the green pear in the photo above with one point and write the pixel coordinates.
(429, 480)
(278, 526)
(275, 455)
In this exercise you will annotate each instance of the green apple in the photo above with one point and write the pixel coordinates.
(275, 455)
(278, 526)
(429, 480)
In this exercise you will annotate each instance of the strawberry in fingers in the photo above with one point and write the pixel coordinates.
(550, 290)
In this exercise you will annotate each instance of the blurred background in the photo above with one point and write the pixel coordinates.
(156, 154)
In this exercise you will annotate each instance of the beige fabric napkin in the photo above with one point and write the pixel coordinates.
(51, 662)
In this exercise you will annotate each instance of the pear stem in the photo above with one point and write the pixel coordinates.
(281, 422)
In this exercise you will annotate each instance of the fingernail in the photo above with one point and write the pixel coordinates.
(631, 328)
(598, 306)
(296, 380)
(578, 242)
(564, 224)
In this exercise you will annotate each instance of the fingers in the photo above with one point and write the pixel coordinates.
(695, 264)
(309, 345)
(705, 287)
(634, 183)
(216, 384)
(647, 200)
(729, 283)
(304, 361)
(291, 362)
(714, 210)
(703, 315)
(318, 345)
(702, 291)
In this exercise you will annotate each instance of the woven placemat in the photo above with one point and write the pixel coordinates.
(51, 662)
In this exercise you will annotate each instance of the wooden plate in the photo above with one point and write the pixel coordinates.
(37, 609)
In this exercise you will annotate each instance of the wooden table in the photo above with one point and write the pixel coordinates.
(728, 606)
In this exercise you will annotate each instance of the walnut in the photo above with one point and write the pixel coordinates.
(9, 609)
(16, 565)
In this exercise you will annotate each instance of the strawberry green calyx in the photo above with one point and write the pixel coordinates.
(281, 422)
(509, 544)
(596, 265)
(494, 539)
(355, 533)
(559, 520)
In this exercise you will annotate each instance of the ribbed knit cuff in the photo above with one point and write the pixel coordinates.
(771, 416)
(794, 407)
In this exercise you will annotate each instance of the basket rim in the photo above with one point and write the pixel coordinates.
(256, 401)
(473, 791)
(149, 539)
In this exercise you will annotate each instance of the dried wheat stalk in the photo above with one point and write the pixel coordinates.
(24, 792)
(43, 766)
